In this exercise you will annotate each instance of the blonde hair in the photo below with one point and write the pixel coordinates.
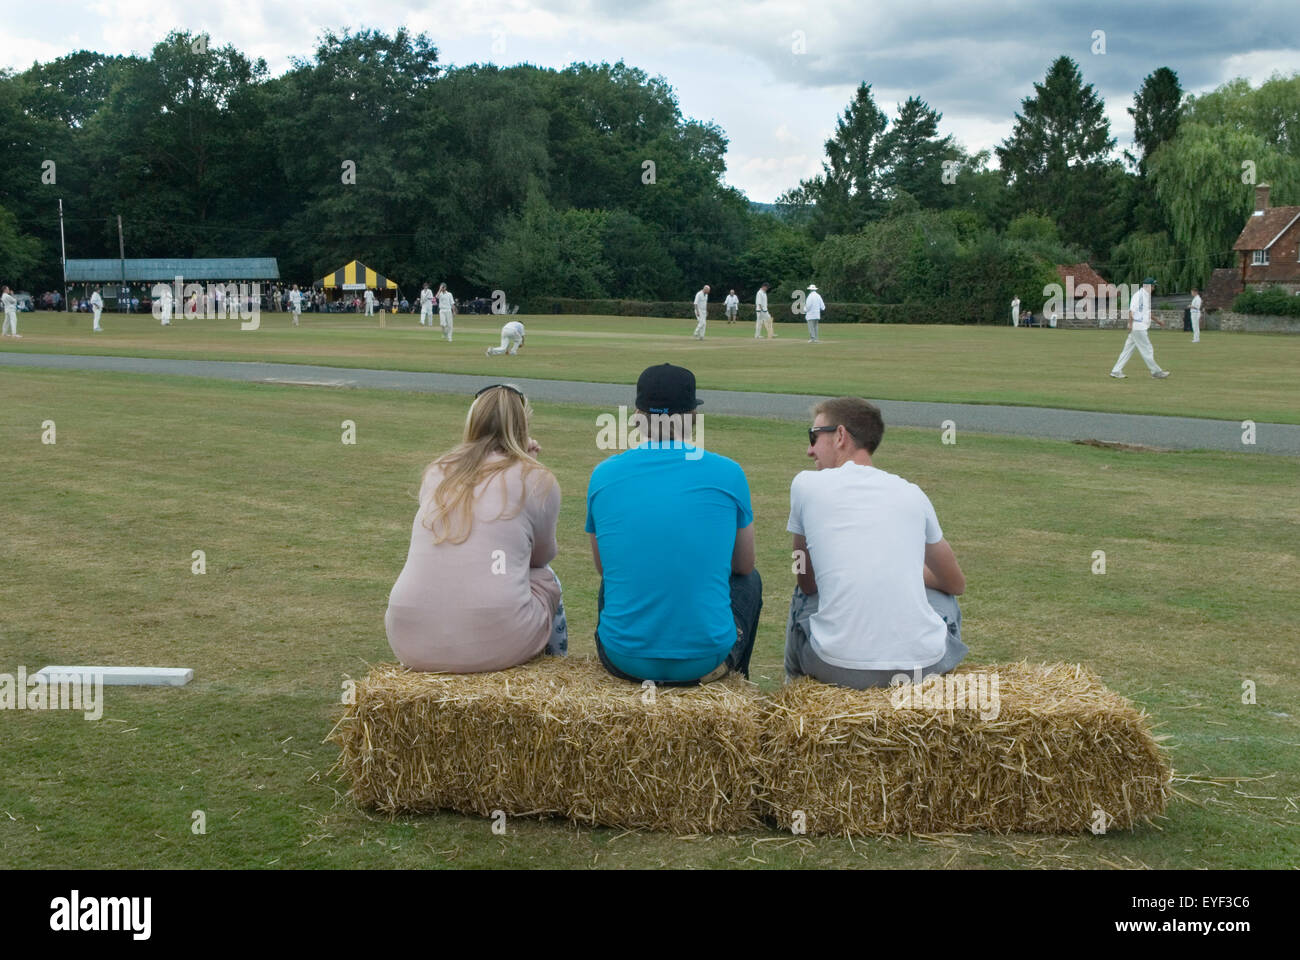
(497, 423)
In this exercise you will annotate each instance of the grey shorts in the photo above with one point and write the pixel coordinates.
(802, 660)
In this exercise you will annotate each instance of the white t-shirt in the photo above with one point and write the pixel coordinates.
(1140, 307)
(1196, 304)
(426, 298)
(370, 297)
(760, 301)
(96, 300)
(732, 302)
(10, 302)
(814, 306)
(445, 301)
(514, 330)
(866, 532)
(295, 300)
(701, 304)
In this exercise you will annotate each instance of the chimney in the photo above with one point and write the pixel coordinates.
(1261, 197)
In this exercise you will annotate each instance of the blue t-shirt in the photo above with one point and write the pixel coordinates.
(666, 527)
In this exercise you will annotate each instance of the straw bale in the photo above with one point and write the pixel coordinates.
(867, 762)
(554, 736)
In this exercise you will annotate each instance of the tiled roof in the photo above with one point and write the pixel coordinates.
(1082, 273)
(1260, 231)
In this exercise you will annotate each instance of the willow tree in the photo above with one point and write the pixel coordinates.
(1205, 181)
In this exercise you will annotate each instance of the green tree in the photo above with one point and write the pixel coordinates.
(916, 155)
(850, 190)
(776, 252)
(543, 251)
(1156, 110)
(19, 253)
(1198, 177)
(1057, 157)
(363, 108)
(1270, 111)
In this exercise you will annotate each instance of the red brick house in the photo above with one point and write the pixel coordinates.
(1270, 245)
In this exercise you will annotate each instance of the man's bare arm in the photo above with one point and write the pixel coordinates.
(595, 554)
(742, 554)
(807, 580)
(942, 571)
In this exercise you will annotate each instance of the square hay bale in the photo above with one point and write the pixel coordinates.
(1058, 748)
(554, 736)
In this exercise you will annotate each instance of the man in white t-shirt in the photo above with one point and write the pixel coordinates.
(1015, 312)
(10, 303)
(1196, 315)
(446, 308)
(426, 305)
(701, 312)
(370, 303)
(295, 303)
(1139, 321)
(731, 306)
(164, 307)
(877, 582)
(813, 306)
(762, 318)
(512, 338)
(96, 310)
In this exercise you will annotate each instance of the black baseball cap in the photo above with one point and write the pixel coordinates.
(666, 389)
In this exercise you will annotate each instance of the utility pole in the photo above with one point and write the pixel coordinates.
(121, 252)
(63, 252)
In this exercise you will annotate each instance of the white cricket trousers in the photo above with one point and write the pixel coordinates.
(509, 345)
(165, 319)
(97, 311)
(11, 323)
(762, 321)
(370, 308)
(701, 321)
(1196, 326)
(444, 321)
(812, 326)
(1137, 339)
(426, 314)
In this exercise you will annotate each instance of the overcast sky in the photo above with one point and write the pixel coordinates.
(737, 63)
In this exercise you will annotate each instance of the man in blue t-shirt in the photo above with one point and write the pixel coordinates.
(672, 535)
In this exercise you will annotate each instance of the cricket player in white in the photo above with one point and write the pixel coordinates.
(96, 311)
(1015, 312)
(426, 306)
(1196, 315)
(1139, 321)
(732, 306)
(295, 303)
(370, 303)
(10, 302)
(812, 311)
(762, 319)
(165, 307)
(512, 338)
(701, 312)
(446, 307)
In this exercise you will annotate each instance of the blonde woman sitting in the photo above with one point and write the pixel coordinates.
(476, 593)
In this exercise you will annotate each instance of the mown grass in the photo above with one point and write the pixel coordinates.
(304, 537)
(1226, 376)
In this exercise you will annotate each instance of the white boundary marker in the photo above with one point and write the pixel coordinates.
(126, 676)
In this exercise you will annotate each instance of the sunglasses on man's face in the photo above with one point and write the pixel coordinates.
(503, 386)
(813, 431)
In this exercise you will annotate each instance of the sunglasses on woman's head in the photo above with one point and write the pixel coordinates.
(503, 386)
